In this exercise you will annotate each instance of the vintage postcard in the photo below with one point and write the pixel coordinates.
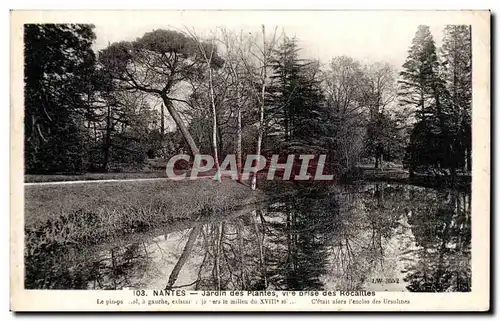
(250, 160)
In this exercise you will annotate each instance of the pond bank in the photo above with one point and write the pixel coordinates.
(374, 236)
(86, 214)
(399, 175)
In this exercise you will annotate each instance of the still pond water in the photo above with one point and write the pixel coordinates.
(378, 237)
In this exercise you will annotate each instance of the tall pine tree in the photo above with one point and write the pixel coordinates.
(422, 88)
(457, 72)
(294, 96)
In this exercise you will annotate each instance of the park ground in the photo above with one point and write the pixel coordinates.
(94, 212)
(94, 207)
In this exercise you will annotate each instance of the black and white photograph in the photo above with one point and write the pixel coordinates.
(332, 154)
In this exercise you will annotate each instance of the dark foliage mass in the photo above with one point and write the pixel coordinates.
(440, 88)
(172, 92)
(58, 67)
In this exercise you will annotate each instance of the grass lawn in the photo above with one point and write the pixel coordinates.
(79, 214)
(155, 199)
(91, 177)
(108, 176)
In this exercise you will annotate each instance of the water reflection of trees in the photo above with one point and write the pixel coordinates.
(342, 234)
(335, 237)
(279, 247)
(119, 267)
(372, 224)
(364, 227)
(77, 268)
(230, 255)
(442, 230)
(298, 235)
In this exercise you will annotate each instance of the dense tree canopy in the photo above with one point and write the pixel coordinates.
(440, 94)
(59, 64)
(172, 91)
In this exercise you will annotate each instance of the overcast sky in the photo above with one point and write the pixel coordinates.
(366, 36)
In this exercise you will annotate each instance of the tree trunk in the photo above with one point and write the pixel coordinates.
(239, 155)
(261, 106)
(469, 159)
(220, 140)
(423, 103)
(95, 132)
(241, 254)
(162, 121)
(208, 61)
(238, 147)
(89, 117)
(107, 140)
(184, 256)
(214, 128)
(259, 144)
(262, 262)
(218, 254)
(182, 127)
(287, 136)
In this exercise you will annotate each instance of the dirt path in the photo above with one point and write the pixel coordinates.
(109, 181)
(202, 175)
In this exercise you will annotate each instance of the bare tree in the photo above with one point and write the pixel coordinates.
(236, 49)
(343, 85)
(379, 94)
(260, 82)
(381, 87)
(208, 56)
